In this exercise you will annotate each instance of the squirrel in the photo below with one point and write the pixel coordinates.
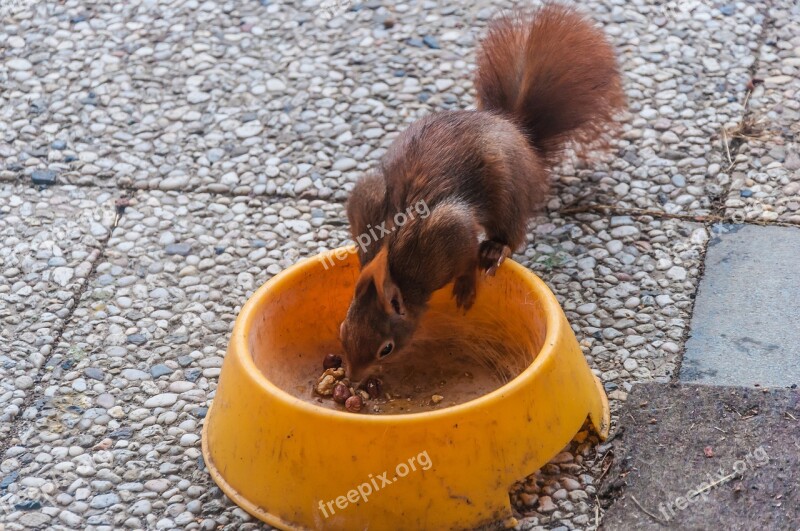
(545, 79)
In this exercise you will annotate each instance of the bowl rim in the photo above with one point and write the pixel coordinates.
(239, 348)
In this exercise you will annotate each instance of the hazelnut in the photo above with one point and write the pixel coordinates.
(341, 393)
(354, 404)
(332, 361)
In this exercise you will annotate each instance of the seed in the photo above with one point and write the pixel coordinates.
(437, 398)
(354, 404)
(332, 361)
(341, 393)
(373, 387)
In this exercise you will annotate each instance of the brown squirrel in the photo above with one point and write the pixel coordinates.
(545, 79)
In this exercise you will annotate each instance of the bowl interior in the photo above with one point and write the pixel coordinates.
(457, 356)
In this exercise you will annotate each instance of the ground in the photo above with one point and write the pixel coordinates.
(159, 160)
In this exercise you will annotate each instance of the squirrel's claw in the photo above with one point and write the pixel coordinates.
(492, 254)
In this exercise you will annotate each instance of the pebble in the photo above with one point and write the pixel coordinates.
(23, 382)
(344, 164)
(250, 129)
(156, 485)
(431, 42)
(275, 85)
(18, 63)
(181, 249)
(16, 42)
(134, 374)
(546, 505)
(70, 518)
(104, 501)
(160, 370)
(162, 400)
(94, 373)
(624, 231)
(137, 339)
(141, 507)
(677, 273)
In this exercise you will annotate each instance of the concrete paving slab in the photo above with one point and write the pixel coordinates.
(745, 325)
(686, 66)
(115, 427)
(50, 238)
(236, 98)
(694, 457)
(626, 286)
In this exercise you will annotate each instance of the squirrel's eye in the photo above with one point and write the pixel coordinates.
(386, 349)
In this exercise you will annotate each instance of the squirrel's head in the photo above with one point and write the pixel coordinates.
(378, 325)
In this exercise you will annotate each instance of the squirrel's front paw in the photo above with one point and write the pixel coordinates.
(491, 255)
(464, 290)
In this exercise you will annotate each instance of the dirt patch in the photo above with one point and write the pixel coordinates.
(699, 457)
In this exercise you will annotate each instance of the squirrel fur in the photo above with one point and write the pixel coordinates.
(546, 79)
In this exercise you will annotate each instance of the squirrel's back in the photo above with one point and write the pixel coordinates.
(546, 79)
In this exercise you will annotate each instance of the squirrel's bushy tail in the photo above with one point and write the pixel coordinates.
(553, 73)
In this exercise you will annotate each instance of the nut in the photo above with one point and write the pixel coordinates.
(341, 393)
(354, 404)
(338, 374)
(332, 361)
(325, 385)
(373, 387)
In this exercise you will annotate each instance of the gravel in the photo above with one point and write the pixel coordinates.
(237, 136)
(51, 238)
(139, 406)
(765, 181)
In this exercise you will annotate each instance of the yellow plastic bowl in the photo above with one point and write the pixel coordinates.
(296, 465)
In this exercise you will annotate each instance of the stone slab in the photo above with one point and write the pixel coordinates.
(744, 328)
(49, 240)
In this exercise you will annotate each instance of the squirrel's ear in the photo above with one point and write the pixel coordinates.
(388, 293)
(393, 299)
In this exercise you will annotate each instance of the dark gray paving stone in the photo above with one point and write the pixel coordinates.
(734, 451)
(745, 324)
